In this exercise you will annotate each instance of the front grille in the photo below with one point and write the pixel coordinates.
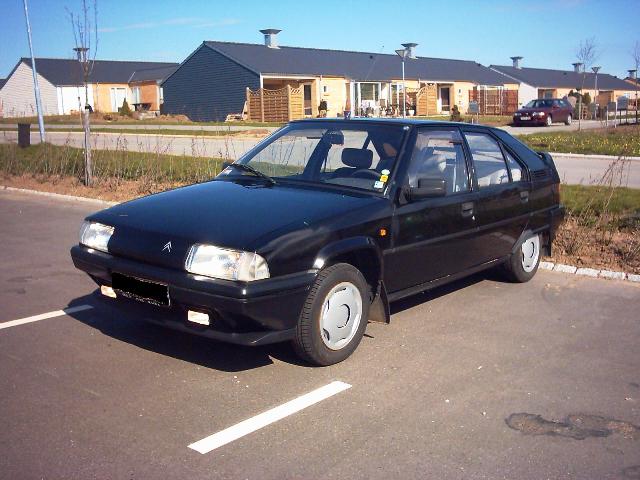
(141, 290)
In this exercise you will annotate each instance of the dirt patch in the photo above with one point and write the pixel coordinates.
(577, 426)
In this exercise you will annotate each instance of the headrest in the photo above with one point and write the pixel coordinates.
(357, 157)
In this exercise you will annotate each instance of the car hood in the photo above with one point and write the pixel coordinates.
(161, 228)
(531, 110)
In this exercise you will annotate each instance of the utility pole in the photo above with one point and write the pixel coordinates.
(36, 87)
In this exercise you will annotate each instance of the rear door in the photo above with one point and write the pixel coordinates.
(502, 206)
(433, 237)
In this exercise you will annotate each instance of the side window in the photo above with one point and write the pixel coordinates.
(439, 154)
(514, 167)
(488, 161)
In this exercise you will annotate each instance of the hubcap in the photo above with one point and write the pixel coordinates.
(530, 253)
(341, 315)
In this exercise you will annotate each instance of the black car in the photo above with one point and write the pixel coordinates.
(315, 230)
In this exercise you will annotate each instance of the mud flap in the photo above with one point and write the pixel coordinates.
(379, 310)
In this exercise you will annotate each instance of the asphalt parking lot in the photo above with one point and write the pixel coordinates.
(436, 394)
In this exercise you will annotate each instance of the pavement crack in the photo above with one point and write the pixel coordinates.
(576, 426)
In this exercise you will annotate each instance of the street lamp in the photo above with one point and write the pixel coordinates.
(596, 70)
(403, 53)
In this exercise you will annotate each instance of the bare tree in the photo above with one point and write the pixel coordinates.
(85, 34)
(586, 55)
(635, 55)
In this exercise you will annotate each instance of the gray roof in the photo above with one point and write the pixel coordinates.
(157, 74)
(67, 71)
(546, 78)
(361, 66)
(2, 82)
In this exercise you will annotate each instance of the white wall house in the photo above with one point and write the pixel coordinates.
(17, 97)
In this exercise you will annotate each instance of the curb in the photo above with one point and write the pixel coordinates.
(590, 272)
(596, 156)
(58, 196)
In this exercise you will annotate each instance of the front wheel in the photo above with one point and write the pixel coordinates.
(568, 122)
(523, 263)
(334, 316)
(549, 121)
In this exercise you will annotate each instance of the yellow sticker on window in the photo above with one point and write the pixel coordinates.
(384, 178)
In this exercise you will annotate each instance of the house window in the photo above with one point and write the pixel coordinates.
(136, 95)
(369, 91)
(325, 89)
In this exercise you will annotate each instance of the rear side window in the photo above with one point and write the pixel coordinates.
(488, 161)
(524, 153)
(438, 154)
(514, 167)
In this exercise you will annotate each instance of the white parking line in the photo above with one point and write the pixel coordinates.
(44, 316)
(266, 418)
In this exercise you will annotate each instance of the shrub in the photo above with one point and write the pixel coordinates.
(125, 110)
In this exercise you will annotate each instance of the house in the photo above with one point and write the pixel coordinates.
(61, 90)
(223, 78)
(146, 92)
(546, 83)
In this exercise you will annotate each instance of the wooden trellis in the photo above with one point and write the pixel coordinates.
(280, 105)
(495, 101)
(427, 100)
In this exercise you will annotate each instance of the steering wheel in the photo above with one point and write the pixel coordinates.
(365, 173)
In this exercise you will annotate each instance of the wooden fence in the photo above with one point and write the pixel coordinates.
(280, 105)
(494, 101)
(427, 100)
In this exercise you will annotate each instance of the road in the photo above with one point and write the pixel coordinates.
(95, 394)
(573, 169)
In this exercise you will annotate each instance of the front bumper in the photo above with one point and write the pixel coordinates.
(247, 313)
(532, 121)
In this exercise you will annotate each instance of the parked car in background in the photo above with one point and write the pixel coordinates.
(544, 112)
(314, 231)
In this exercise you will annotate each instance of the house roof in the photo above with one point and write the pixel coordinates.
(60, 71)
(546, 78)
(2, 82)
(361, 66)
(148, 74)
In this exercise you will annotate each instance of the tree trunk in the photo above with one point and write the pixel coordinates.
(88, 164)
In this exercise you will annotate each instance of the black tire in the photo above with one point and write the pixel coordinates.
(549, 121)
(569, 120)
(308, 341)
(514, 267)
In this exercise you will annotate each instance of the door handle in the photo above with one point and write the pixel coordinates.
(467, 209)
(524, 196)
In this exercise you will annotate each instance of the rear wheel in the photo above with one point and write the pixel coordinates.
(523, 264)
(568, 122)
(549, 121)
(334, 316)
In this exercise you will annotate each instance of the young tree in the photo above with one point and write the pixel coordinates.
(586, 55)
(635, 55)
(85, 34)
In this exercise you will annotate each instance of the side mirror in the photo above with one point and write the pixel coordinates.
(428, 188)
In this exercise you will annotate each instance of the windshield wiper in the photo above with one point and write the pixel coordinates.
(247, 168)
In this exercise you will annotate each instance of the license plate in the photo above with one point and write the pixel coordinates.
(141, 290)
(525, 118)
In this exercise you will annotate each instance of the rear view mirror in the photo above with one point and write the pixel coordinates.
(428, 188)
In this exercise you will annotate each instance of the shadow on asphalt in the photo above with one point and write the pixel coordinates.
(209, 353)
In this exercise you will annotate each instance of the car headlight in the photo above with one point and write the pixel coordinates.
(517, 114)
(216, 262)
(538, 114)
(96, 235)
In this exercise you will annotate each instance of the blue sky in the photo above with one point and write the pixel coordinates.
(545, 32)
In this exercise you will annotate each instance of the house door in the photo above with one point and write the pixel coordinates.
(445, 98)
(308, 108)
(118, 95)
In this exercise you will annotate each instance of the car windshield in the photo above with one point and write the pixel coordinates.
(539, 104)
(357, 155)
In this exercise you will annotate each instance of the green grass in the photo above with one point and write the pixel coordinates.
(146, 131)
(624, 201)
(622, 140)
(64, 161)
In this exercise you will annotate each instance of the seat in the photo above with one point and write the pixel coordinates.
(355, 159)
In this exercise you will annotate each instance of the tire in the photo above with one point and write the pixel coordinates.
(549, 121)
(523, 263)
(340, 295)
(568, 121)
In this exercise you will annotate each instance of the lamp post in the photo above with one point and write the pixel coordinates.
(36, 86)
(596, 70)
(403, 53)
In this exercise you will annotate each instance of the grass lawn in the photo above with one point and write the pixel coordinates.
(622, 201)
(156, 131)
(622, 140)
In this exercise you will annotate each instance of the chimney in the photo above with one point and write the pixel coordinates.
(632, 74)
(409, 47)
(516, 62)
(271, 37)
(577, 67)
